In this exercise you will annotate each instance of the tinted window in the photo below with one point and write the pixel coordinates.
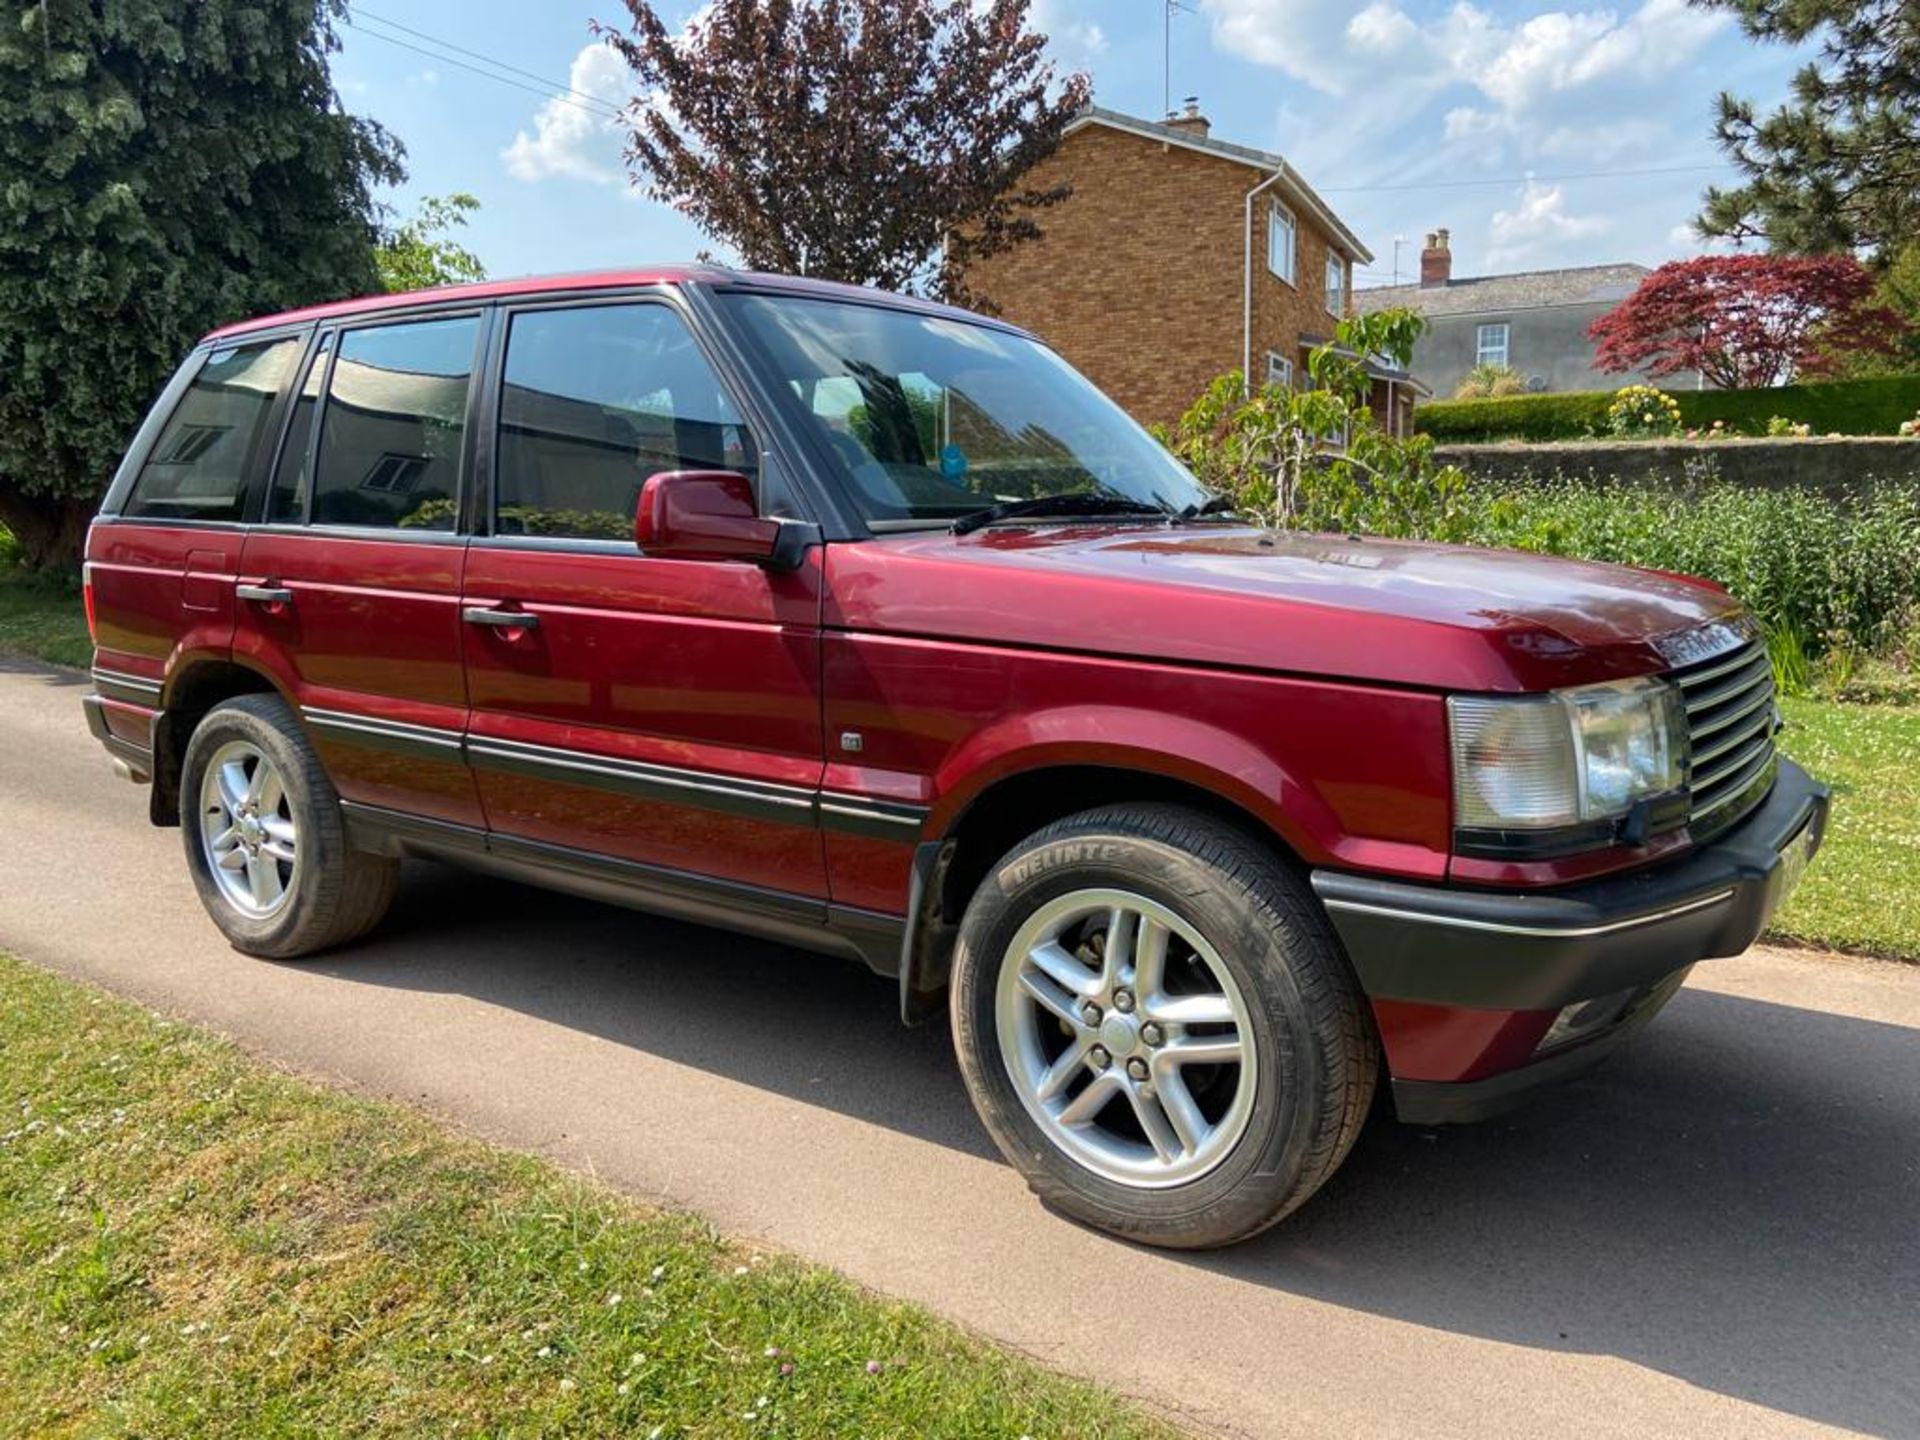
(595, 400)
(198, 468)
(288, 496)
(390, 435)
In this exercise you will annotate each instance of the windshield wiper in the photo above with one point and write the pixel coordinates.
(1215, 505)
(1060, 506)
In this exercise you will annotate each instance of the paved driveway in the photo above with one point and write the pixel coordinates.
(1718, 1234)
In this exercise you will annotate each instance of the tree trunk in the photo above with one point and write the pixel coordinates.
(50, 530)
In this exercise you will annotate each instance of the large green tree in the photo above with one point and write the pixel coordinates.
(165, 166)
(1838, 166)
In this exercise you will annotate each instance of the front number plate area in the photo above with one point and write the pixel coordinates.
(1795, 856)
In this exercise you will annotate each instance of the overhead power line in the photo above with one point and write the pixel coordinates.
(547, 89)
(448, 52)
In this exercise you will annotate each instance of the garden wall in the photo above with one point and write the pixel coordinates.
(1832, 466)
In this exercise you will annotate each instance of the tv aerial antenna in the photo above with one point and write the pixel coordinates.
(1171, 7)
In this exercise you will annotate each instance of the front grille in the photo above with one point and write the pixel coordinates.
(1730, 721)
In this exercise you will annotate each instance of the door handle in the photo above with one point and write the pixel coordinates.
(500, 619)
(264, 594)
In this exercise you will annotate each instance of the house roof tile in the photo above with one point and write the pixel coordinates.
(1529, 290)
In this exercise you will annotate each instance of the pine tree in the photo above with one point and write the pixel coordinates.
(164, 168)
(1838, 167)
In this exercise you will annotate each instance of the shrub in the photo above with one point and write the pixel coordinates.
(1875, 406)
(1640, 412)
(1487, 379)
(1781, 428)
(1834, 575)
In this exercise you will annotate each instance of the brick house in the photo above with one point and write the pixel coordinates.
(1179, 257)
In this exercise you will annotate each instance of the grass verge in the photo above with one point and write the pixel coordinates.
(198, 1245)
(44, 620)
(1863, 892)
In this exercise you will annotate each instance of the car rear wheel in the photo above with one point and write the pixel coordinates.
(265, 840)
(1157, 1026)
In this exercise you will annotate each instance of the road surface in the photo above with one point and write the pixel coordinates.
(1717, 1234)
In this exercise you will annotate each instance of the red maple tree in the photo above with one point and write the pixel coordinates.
(1746, 321)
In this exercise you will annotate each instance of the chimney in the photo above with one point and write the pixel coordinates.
(1436, 261)
(1190, 119)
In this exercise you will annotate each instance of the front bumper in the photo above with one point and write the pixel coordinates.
(1419, 948)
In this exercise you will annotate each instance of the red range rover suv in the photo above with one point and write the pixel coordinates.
(870, 626)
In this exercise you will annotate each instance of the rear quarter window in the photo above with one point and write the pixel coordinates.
(198, 468)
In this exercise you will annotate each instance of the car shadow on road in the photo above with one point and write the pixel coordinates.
(1734, 1200)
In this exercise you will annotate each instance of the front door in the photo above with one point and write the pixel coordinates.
(662, 711)
(349, 594)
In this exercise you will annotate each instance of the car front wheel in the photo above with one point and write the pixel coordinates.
(1157, 1026)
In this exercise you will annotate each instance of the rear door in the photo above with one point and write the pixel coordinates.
(349, 592)
(162, 557)
(661, 711)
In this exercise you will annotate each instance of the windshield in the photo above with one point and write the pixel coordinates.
(930, 418)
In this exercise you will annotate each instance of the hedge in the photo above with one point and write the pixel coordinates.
(1843, 407)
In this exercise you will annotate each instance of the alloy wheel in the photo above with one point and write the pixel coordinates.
(1126, 1037)
(246, 829)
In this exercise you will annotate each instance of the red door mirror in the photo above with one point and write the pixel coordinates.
(703, 515)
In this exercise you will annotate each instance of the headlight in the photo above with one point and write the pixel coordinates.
(1569, 758)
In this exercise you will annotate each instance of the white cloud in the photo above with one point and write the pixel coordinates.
(1536, 225)
(1521, 69)
(1074, 41)
(571, 136)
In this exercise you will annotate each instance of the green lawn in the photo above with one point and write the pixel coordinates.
(42, 620)
(1864, 890)
(197, 1245)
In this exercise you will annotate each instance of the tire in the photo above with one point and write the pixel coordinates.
(328, 893)
(1245, 936)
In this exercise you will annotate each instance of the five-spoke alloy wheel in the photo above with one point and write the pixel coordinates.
(247, 828)
(265, 838)
(1158, 1027)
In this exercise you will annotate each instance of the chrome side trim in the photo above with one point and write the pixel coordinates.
(1553, 932)
(399, 736)
(128, 689)
(703, 789)
(608, 772)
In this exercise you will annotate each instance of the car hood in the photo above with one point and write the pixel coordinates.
(1446, 616)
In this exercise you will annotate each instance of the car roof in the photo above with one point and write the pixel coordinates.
(717, 276)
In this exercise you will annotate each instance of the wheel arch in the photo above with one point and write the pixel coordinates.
(195, 684)
(1017, 792)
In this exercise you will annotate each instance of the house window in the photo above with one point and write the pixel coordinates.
(1280, 242)
(1336, 284)
(1491, 345)
(1279, 370)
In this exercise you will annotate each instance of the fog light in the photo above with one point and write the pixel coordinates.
(1583, 1019)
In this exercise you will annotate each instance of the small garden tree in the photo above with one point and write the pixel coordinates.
(879, 142)
(163, 168)
(1746, 321)
(418, 254)
(1317, 459)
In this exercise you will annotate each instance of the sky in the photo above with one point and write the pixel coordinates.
(1538, 137)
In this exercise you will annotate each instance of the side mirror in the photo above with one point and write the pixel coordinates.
(704, 515)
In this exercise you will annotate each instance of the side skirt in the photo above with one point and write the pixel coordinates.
(865, 935)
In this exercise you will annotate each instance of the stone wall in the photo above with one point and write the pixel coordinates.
(1830, 465)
